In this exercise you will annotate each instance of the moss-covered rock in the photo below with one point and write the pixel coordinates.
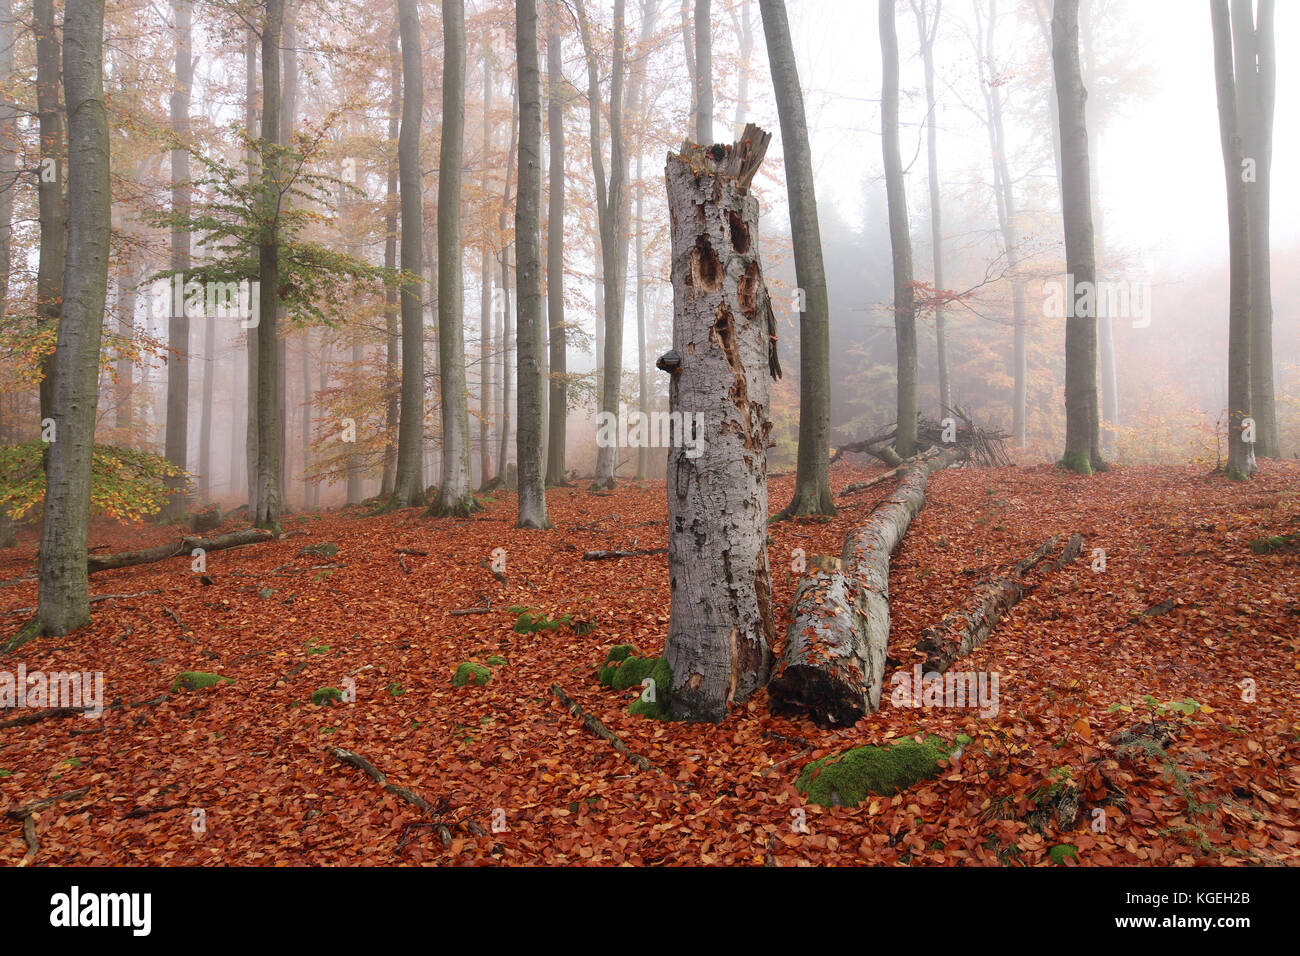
(198, 680)
(656, 708)
(848, 778)
(468, 673)
(326, 695)
(496, 660)
(617, 655)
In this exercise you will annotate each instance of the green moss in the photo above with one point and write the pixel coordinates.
(198, 680)
(1059, 852)
(326, 695)
(496, 660)
(325, 549)
(656, 709)
(468, 672)
(1077, 462)
(1277, 542)
(314, 646)
(396, 690)
(849, 777)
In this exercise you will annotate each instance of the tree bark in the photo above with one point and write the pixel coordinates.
(64, 588)
(900, 237)
(556, 343)
(178, 325)
(486, 358)
(503, 449)
(455, 493)
(528, 276)
(267, 513)
(251, 442)
(834, 659)
(53, 211)
(1256, 75)
(393, 337)
(409, 490)
(1082, 421)
(186, 545)
(721, 626)
(812, 490)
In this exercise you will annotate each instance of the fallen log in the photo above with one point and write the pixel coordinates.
(961, 632)
(612, 555)
(854, 487)
(834, 659)
(219, 542)
(353, 759)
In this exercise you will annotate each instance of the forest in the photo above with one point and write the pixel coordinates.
(652, 433)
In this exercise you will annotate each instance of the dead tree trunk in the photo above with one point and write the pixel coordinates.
(834, 658)
(721, 626)
(219, 542)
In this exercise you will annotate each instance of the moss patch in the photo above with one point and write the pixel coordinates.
(1077, 462)
(656, 709)
(1277, 542)
(846, 779)
(325, 549)
(198, 680)
(326, 695)
(468, 673)
(496, 660)
(1059, 852)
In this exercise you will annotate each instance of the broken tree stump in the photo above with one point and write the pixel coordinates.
(834, 660)
(720, 367)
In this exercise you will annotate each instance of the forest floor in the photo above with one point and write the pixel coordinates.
(1077, 660)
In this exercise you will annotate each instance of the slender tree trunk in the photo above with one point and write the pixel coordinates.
(1256, 71)
(507, 333)
(251, 439)
(528, 274)
(812, 491)
(927, 29)
(643, 383)
(64, 598)
(900, 238)
(745, 37)
(267, 514)
(53, 210)
(288, 120)
(721, 623)
(486, 358)
(559, 389)
(8, 175)
(455, 494)
(304, 371)
(410, 452)
(704, 72)
(392, 385)
(609, 205)
(1082, 441)
(688, 46)
(1241, 453)
(178, 325)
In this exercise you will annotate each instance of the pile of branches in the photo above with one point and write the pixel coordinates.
(973, 444)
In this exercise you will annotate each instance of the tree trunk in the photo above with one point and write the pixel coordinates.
(900, 238)
(393, 341)
(503, 448)
(927, 29)
(187, 544)
(1082, 424)
(251, 438)
(1241, 453)
(409, 489)
(178, 325)
(556, 343)
(486, 358)
(64, 597)
(455, 493)
(721, 626)
(834, 659)
(8, 171)
(812, 490)
(745, 37)
(52, 206)
(609, 206)
(1256, 71)
(704, 72)
(288, 119)
(643, 383)
(267, 513)
(532, 480)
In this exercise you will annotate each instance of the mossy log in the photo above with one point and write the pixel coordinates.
(834, 658)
